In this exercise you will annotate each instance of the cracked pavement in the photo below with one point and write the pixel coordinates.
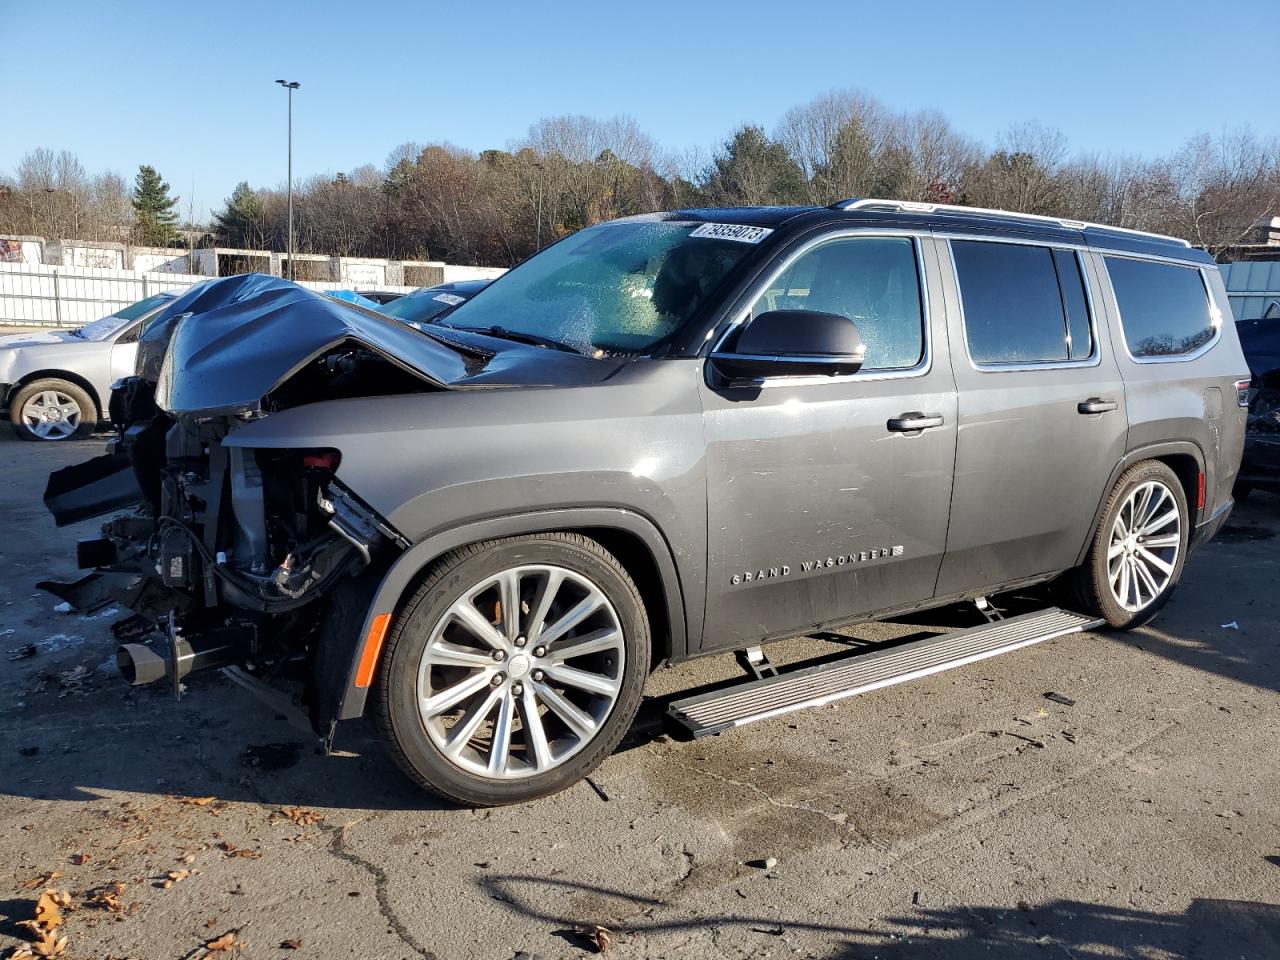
(961, 815)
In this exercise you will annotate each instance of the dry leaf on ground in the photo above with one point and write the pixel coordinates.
(108, 897)
(295, 944)
(80, 859)
(43, 880)
(225, 942)
(303, 818)
(49, 908)
(198, 801)
(602, 936)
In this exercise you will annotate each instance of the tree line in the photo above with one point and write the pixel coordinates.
(495, 207)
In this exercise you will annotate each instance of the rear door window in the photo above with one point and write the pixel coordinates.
(1164, 308)
(1022, 303)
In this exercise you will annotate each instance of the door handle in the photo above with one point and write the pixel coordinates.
(1095, 405)
(911, 422)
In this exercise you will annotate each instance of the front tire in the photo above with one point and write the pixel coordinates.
(1139, 548)
(52, 409)
(485, 708)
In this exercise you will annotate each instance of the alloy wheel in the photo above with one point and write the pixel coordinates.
(521, 672)
(1146, 537)
(51, 415)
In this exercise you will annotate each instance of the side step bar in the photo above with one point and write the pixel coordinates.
(863, 672)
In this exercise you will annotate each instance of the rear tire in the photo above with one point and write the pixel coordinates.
(52, 409)
(1138, 550)
(459, 677)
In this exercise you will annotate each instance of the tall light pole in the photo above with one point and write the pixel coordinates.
(538, 243)
(290, 85)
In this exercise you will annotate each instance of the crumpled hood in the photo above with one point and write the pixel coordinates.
(231, 342)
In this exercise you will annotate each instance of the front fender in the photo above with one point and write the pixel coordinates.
(341, 665)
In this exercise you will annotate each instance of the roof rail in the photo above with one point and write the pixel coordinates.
(915, 206)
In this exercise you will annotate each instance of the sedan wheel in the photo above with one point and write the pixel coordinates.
(52, 415)
(51, 409)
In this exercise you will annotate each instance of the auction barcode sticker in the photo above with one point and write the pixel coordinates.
(452, 299)
(732, 231)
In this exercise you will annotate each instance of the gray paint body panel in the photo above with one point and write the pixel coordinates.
(719, 482)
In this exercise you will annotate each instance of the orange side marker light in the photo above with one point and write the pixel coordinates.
(372, 647)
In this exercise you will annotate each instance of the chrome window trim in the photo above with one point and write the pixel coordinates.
(896, 373)
(1094, 358)
(1215, 314)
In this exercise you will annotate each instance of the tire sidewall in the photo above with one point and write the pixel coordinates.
(88, 410)
(398, 677)
(1116, 615)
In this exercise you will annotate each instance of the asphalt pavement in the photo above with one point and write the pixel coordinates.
(962, 815)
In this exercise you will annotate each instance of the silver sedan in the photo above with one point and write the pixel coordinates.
(56, 384)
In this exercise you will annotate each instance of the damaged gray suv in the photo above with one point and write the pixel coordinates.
(663, 437)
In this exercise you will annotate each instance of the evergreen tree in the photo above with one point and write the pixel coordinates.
(153, 210)
(243, 222)
(751, 169)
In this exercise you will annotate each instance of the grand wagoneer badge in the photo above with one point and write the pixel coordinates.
(809, 566)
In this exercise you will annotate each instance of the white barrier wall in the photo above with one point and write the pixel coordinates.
(38, 295)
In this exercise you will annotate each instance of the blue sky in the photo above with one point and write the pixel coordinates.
(188, 87)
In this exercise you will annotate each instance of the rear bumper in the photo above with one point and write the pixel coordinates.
(1206, 531)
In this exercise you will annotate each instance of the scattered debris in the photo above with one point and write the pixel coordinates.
(1059, 698)
(80, 859)
(28, 751)
(1233, 625)
(1031, 740)
(62, 607)
(776, 931)
(598, 789)
(198, 801)
(915, 898)
(294, 944)
(76, 680)
(24, 652)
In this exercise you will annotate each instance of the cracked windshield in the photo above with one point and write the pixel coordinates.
(618, 288)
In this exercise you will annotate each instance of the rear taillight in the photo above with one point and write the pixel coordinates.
(1242, 392)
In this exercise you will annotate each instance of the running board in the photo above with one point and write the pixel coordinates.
(863, 672)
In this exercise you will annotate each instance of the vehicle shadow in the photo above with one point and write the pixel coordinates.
(1207, 930)
(1211, 623)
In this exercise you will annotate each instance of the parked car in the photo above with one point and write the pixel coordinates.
(660, 438)
(1260, 340)
(425, 305)
(56, 383)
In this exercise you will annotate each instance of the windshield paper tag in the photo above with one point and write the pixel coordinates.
(732, 231)
(452, 299)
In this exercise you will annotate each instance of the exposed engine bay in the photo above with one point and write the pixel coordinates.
(225, 549)
(235, 549)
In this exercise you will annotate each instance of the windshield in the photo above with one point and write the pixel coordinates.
(108, 327)
(422, 305)
(617, 288)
